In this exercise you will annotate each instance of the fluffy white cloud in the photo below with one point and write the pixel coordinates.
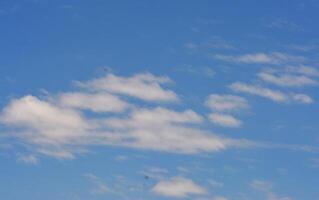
(226, 102)
(165, 130)
(273, 95)
(224, 120)
(144, 86)
(96, 102)
(178, 187)
(49, 127)
(58, 126)
(62, 132)
(260, 58)
(287, 80)
(44, 122)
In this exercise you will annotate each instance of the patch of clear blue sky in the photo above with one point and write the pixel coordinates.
(48, 44)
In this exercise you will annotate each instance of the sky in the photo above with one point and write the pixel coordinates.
(159, 100)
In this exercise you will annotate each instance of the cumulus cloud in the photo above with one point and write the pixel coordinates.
(178, 187)
(260, 58)
(144, 86)
(164, 130)
(224, 120)
(226, 103)
(58, 126)
(271, 94)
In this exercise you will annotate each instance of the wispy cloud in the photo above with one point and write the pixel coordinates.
(271, 94)
(285, 25)
(260, 58)
(28, 159)
(99, 186)
(266, 188)
(287, 80)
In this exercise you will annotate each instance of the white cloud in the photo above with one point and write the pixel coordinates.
(97, 102)
(144, 86)
(273, 95)
(58, 126)
(287, 80)
(43, 121)
(49, 127)
(260, 91)
(178, 187)
(62, 132)
(260, 58)
(224, 120)
(164, 130)
(226, 102)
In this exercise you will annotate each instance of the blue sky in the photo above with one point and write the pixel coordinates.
(197, 100)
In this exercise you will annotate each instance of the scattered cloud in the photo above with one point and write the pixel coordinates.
(224, 120)
(260, 58)
(271, 94)
(57, 126)
(178, 187)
